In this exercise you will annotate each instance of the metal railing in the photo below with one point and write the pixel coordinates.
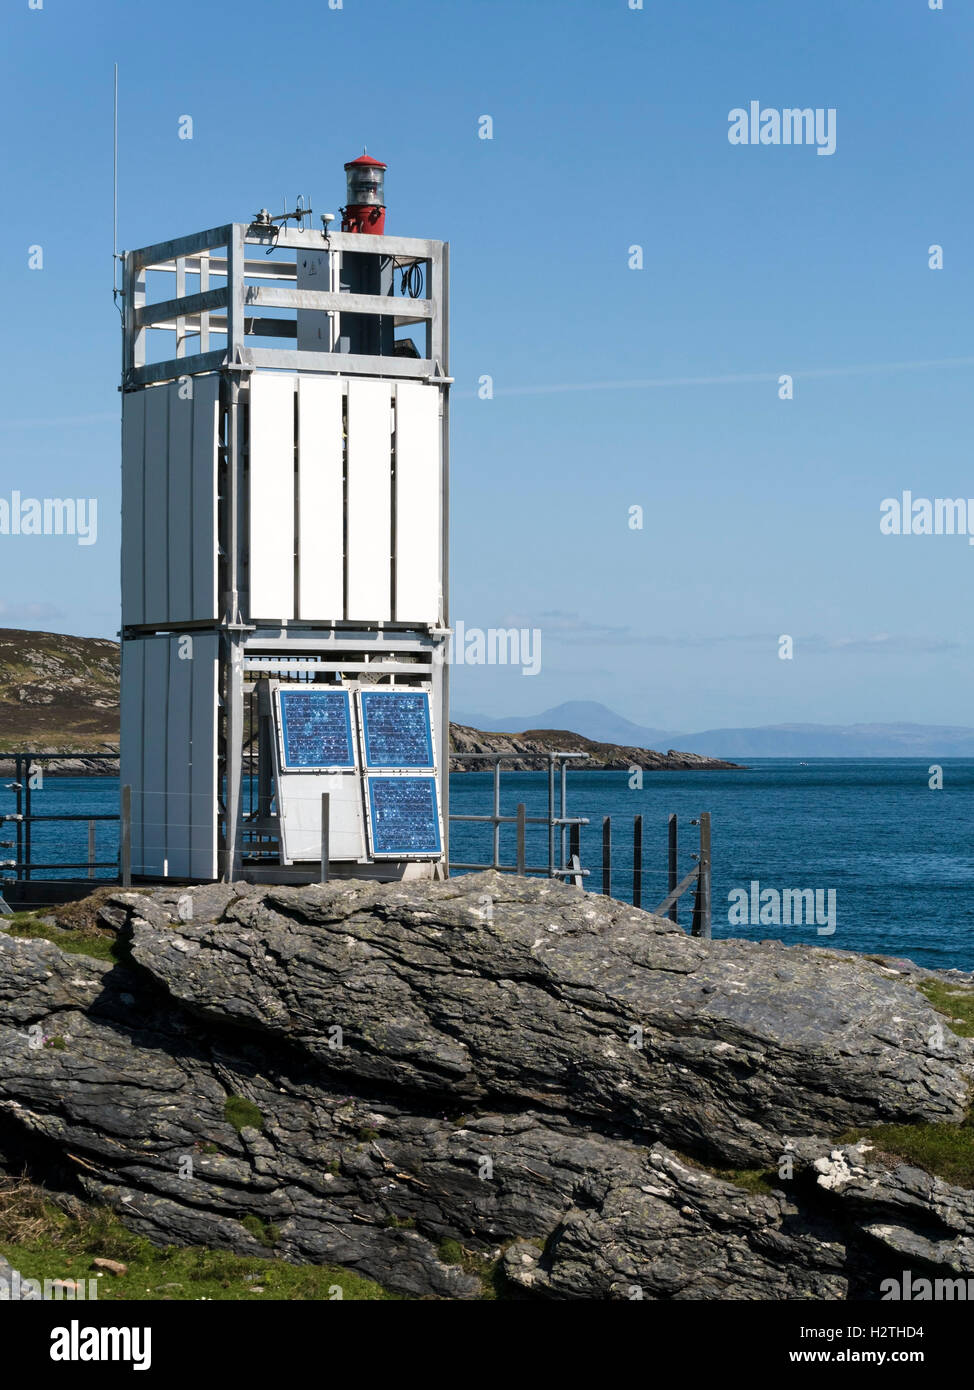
(560, 824)
(699, 877)
(23, 817)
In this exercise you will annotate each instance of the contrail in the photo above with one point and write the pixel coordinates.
(798, 373)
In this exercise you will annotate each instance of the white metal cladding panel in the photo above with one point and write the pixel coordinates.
(321, 521)
(179, 809)
(180, 561)
(203, 843)
(301, 815)
(206, 425)
(156, 497)
(271, 544)
(418, 539)
(133, 736)
(133, 505)
(369, 501)
(154, 756)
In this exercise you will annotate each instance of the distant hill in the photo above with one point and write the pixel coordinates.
(589, 718)
(58, 693)
(596, 721)
(527, 752)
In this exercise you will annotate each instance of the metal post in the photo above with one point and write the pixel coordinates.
(91, 849)
(125, 842)
(607, 856)
(233, 649)
(521, 814)
(551, 815)
(704, 879)
(575, 855)
(672, 880)
(325, 821)
(19, 783)
(27, 818)
(637, 862)
(497, 811)
(564, 808)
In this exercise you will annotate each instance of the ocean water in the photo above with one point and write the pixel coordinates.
(898, 856)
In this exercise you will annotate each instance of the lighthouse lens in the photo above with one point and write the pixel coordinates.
(365, 186)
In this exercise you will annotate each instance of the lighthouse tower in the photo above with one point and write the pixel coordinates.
(285, 471)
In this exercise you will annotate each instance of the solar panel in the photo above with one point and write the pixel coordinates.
(316, 730)
(404, 816)
(396, 728)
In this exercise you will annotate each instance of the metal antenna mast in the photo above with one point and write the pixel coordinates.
(115, 198)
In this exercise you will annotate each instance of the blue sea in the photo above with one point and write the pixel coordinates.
(898, 855)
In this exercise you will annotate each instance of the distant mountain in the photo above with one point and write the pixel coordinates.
(586, 717)
(770, 741)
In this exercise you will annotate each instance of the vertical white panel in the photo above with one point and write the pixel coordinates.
(203, 842)
(180, 506)
(418, 539)
(206, 424)
(271, 530)
(321, 503)
(369, 501)
(133, 506)
(300, 801)
(316, 327)
(133, 737)
(178, 754)
(154, 755)
(156, 500)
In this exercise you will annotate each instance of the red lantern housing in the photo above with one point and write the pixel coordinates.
(366, 209)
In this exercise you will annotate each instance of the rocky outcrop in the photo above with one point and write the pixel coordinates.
(528, 752)
(509, 1065)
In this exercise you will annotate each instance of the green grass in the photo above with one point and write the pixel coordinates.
(242, 1114)
(953, 1001)
(750, 1179)
(44, 1242)
(946, 1151)
(267, 1235)
(28, 926)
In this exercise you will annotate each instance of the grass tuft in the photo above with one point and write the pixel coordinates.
(955, 1002)
(242, 1114)
(946, 1151)
(79, 942)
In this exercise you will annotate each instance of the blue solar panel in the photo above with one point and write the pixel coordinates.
(404, 815)
(316, 729)
(396, 728)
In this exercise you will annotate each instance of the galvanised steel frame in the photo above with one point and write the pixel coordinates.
(230, 310)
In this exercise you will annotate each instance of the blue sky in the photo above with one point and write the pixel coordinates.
(613, 387)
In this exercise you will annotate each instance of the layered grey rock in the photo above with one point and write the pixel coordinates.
(507, 1064)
